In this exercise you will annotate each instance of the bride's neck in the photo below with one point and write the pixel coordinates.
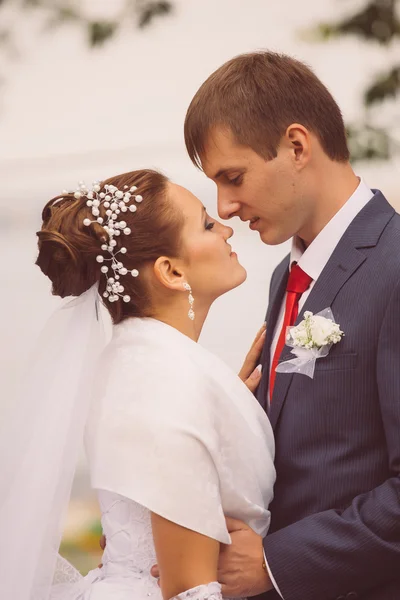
(177, 317)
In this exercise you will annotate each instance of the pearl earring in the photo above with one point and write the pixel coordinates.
(191, 301)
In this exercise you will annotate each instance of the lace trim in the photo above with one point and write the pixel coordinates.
(65, 572)
(211, 591)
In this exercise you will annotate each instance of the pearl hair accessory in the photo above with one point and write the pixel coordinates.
(191, 314)
(115, 202)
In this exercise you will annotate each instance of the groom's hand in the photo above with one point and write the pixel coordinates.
(250, 372)
(240, 570)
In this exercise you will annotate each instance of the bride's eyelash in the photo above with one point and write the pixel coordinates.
(209, 226)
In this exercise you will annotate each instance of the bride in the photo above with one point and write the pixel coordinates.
(176, 442)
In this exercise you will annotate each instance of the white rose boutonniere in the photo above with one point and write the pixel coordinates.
(311, 339)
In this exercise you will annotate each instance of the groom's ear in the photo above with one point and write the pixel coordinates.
(298, 140)
(169, 273)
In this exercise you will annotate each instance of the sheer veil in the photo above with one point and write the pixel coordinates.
(40, 440)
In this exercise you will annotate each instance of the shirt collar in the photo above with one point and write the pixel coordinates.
(313, 259)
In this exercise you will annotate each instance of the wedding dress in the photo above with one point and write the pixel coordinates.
(174, 431)
(169, 429)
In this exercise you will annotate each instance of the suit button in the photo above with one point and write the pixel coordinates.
(352, 596)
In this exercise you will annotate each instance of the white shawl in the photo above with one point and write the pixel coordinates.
(175, 430)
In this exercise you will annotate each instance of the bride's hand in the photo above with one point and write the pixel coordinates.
(103, 543)
(250, 372)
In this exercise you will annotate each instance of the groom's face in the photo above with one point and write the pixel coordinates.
(266, 193)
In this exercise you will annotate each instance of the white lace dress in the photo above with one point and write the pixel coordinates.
(173, 431)
(127, 559)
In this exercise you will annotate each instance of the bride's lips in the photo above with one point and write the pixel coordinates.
(232, 254)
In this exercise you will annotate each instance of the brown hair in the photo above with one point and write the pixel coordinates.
(68, 249)
(257, 96)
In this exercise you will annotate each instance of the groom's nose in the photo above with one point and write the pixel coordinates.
(227, 207)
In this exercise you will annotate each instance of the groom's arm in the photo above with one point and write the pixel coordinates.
(332, 553)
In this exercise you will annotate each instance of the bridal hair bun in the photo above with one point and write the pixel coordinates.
(82, 241)
(66, 249)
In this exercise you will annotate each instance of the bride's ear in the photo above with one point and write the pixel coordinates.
(169, 273)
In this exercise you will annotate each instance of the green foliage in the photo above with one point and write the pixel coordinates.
(101, 31)
(151, 10)
(377, 22)
(369, 143)
(96, 528)
(145, 12)
(62, 12)
(386, 85)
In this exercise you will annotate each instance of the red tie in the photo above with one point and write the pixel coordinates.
(297, 284)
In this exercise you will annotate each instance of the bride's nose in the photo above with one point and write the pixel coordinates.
(228, 232)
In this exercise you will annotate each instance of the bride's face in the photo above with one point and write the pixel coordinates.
(211, 266)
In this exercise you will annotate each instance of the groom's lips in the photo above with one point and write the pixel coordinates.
(253, 223)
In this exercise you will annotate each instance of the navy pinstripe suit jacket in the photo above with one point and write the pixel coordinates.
(335, 530)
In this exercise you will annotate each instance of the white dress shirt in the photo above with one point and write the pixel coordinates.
(314, 258)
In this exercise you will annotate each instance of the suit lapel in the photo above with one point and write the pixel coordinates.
(363, 232)
(275, 302)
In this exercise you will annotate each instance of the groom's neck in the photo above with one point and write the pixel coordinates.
(333, 185)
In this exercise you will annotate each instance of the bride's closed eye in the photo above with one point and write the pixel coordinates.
(208, 222)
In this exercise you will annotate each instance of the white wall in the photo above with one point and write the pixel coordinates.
(69, 113)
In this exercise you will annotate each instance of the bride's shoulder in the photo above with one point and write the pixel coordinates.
(151, 373)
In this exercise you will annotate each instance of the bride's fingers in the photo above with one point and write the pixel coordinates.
(253, 381)
(260, 334)
(253, 355)
(262, 328)
(259, 341)
(155, 571)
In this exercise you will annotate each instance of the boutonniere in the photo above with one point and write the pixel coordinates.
(311, 339)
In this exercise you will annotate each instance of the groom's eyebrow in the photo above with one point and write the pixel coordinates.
(220, 172)
(225, 171)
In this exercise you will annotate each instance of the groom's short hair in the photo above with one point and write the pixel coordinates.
(257, 96)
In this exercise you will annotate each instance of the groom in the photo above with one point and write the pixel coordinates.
(269, 134)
